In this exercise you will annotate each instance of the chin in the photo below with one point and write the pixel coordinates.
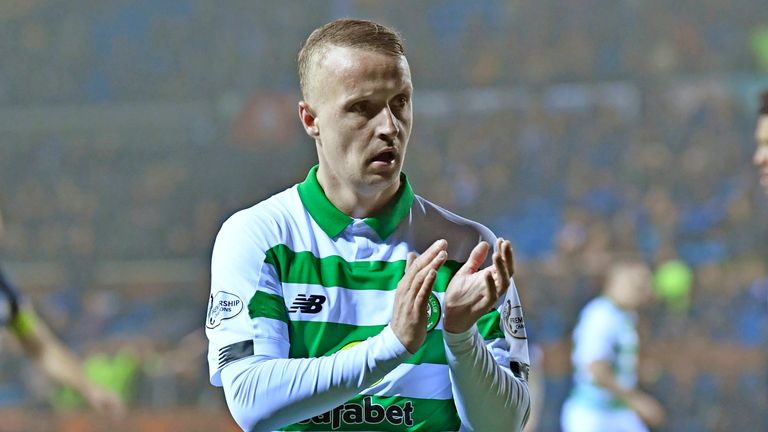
(378, 169)
(381, 179)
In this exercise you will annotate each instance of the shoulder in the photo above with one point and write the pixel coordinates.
(431, 222)
(256, 229)
(428, 212)
(599, 311)
(265, 220)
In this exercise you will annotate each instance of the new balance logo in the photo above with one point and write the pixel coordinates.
(312, 304)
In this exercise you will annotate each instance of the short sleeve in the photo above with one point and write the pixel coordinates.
(594, 336)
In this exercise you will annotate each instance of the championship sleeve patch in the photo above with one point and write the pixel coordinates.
(222, 306)
(512, 320)
(235, 351)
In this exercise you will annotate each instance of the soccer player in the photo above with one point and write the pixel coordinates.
(760, 159)
(605, 346)
(41, 345)
(347, 302)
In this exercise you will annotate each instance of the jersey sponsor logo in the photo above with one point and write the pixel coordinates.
(433, 312)
(312, 304)
(368, 413)
(512, 320)
(222, 306)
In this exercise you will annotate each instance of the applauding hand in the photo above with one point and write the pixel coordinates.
(473, 292)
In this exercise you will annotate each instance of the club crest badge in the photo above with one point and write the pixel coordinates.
(433, 312)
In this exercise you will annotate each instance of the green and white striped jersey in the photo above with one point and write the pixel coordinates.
(295, 277)
(604, 332)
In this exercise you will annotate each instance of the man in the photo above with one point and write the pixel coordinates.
(41, 345)
(760, 159)
(605, 346)
(321, 314)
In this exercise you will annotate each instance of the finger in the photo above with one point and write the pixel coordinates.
(418, 281)
(505, 250)
(409, 260)
(490, 290)
(434, 265)
(424, 259)
(408, 272)
(509, 258)
(476, 258)
(439, 260)
(501, 268)
(425, 289)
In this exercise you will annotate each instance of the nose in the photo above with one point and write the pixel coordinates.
(387, 125)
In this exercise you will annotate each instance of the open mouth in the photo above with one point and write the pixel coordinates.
(385, 157)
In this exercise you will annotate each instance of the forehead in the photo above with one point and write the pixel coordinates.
(761, 133)
(353, 71)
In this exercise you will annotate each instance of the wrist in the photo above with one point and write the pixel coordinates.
(451, 326)
(456, 338)
(392, 343)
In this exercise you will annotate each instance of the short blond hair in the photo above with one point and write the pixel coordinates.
(346, 33)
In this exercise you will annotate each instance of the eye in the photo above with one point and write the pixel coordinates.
(360, 107)
(401, 101)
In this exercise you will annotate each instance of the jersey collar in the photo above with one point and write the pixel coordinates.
(333, 221)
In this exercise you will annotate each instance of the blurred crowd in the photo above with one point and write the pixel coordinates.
(579, 131)
(84, 51)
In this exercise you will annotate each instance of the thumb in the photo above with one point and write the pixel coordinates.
(476, 258)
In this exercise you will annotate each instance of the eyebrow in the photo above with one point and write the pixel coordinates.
(407, 89)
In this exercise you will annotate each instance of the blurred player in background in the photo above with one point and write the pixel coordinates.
(605, 397)
(760, 158)
(321, 315)
(47, 351)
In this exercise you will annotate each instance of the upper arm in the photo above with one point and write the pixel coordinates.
(594, 337)
(512, 349)
(246, 312)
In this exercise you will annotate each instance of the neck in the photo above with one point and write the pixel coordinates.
(356, 202)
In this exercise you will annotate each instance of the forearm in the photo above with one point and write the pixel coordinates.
(66, 369)
(58, 362)
(487, 396)
(603, 376)
(269, 393)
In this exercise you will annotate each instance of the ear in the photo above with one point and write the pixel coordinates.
(309, 120)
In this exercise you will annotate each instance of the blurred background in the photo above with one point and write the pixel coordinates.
(129, 130)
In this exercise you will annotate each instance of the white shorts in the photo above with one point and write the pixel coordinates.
(577, 417)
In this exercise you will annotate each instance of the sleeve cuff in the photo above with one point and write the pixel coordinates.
(392, 345)
(458, 339)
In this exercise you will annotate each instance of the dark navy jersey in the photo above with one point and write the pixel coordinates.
(9, 301)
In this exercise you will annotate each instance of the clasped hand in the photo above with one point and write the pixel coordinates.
(470, 294)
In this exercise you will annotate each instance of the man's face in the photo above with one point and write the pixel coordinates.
(632, 286)
(760, 159)
(361, 104)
